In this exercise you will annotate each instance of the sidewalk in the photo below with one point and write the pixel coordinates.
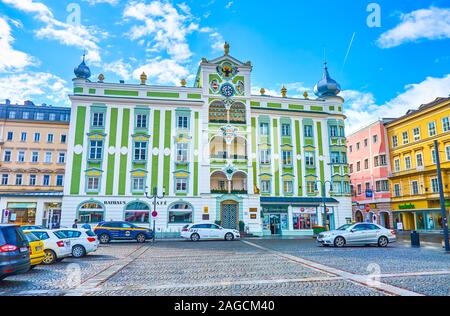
(434, 240)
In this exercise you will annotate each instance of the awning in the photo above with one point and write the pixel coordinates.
(296, 200)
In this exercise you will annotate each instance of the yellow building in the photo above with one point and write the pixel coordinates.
(413, 181)
(33, 153)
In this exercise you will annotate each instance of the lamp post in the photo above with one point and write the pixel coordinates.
(441, 197)
(324, 197)
(154, 197)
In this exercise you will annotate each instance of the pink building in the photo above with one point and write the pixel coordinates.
(368, 155)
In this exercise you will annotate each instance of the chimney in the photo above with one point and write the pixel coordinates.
(8, 102)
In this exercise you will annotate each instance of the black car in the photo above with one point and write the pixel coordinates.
(14, 251)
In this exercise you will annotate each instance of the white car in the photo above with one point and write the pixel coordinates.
(56, 247)
(82, 241)
(205, 231)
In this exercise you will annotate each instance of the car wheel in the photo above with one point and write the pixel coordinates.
(339, 242)
(140, 238)
(78, 251)
(104, 239)
(229, 237)
(50, 257)
(195, 237)
(383, 241)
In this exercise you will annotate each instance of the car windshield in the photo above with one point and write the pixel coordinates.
(344, 227)
(61, 235)
(31, 237)
(11, 235)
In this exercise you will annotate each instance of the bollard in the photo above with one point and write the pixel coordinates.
(415, 239)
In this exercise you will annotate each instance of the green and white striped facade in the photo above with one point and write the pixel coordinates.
(212, 151)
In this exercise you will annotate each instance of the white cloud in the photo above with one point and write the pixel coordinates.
(164, 71)
(35, 86)
(361, 108)
(120, 68)
(94, 2)
(432, 24)
(11, 59)
(65, 33)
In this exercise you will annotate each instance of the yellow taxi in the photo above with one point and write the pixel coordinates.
(37, 253)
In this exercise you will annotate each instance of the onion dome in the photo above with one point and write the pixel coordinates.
(327, 86)
(82, 71)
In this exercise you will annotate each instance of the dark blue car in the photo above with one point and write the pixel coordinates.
(14, 251)
(107, 231)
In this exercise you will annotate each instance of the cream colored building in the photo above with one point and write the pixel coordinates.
(33, 145)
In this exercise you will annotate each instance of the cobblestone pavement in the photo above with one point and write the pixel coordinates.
(241, 268)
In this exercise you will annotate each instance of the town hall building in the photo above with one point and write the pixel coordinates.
(212, 153)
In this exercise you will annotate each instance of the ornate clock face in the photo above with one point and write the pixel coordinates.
(227, 90)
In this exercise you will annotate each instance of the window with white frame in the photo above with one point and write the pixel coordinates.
(98, 119)
(32, 179)
(265, 186)
(264, 129)
(414, 187)
(405, 137)
(5, 178)
(183, 122)
(141, 121)
(394, 141)
(333, 131)
(19, 179)
(396, 165)
(447, 152)
(376, 161)
(182, 152)
(416, 133)
(446, 124)
(265, 156)
(383, 161)
(375, 139)
(181, 185)
(59, 180)
(140, 151)
(366, 164)
(46, 180)
(63, 138)
(432, 129)
(48, 157)
(95, 149)
(21, 156)
(288, 187)
(358, 166)
(382, 186)
(62, 158)
(434, 185)
(52, 116)
(287, 157)
(311, 187)
(50, 138)
(138, 184)
(35, 156)
(10, 136)
(337, 187)
(7, 156)
(396, 190)
(23, 137)
(309, 159)
(93, 184)
(359, 189)
(37, 137)
(419, 160)
(433, 156)
(334, 157)
(285, 129)
(408, 162)
(39, 116)
(308, 131)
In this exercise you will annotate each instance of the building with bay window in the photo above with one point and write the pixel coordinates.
(215, 151)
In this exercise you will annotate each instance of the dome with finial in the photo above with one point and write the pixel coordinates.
(82, 71)
(327, 86)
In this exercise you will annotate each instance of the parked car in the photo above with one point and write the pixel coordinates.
(56, 247)
(108, 231)
(32, 227)
(358, 234)
(37, 253)
(82, 241)
(14, 251)
(198, 232)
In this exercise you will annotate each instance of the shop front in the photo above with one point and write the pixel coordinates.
(412, 216)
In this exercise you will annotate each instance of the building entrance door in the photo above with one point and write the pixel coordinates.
(275, 224)
(230, 215)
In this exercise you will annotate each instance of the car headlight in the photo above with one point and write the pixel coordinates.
(235, 231)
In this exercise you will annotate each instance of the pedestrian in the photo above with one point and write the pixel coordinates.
(75, 224)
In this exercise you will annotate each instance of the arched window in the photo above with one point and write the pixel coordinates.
(237, 113)
(91, 212)
(137, 212)
(180, 213)
(218, 113)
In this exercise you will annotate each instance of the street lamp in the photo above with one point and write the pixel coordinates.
(324, 197)
(154, 197)
(442, 197)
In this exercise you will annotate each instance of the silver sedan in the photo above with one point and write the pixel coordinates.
(358, 234)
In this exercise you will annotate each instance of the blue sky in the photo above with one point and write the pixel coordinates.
(389, 69)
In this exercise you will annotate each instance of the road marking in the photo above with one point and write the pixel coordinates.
(356, 278)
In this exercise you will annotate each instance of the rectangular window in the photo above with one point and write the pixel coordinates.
(59, 180)
(12, 114)
(25, 115)
(405, 138)
(446, 124)
(351, 168)
(62, 158)
(358, 146)
(23, 137)
(311, 187)
(96, 148)
(181, 185)
(264, 129)
(309, 159)
(416, 134)
(376, 161)
(265, 186)
(48, 157)
(138, 184)
(52, 116)
(334, 157)
(46, 180)
(383, 161)
(32, 179)
(434, 185)
(265, 157)
(396, 190)
(183, 122)
(140, 151)
(97, 119)
(141, 121)
(433, 156)
(308, 131)
(10, 136)
(7, 156)
(5, 179)
(19, 179)
(394, 141)
(333, 131)
(447, 152)
(396, 165)
(408, 162)
(366, 164)
(288, 187)
(382, 186)
(287, 158)
(359, 189)
(39, 116)
(358, 166)
(37, 137)
(419, 160)
(182, 152)
(351, 149)
(63, 138)
(21, 156)
(414, 188)
(93, 184)
(366, 142)
(50, 138)
(432, 129)
(34, 156)
(285, 129)
(375, 139)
